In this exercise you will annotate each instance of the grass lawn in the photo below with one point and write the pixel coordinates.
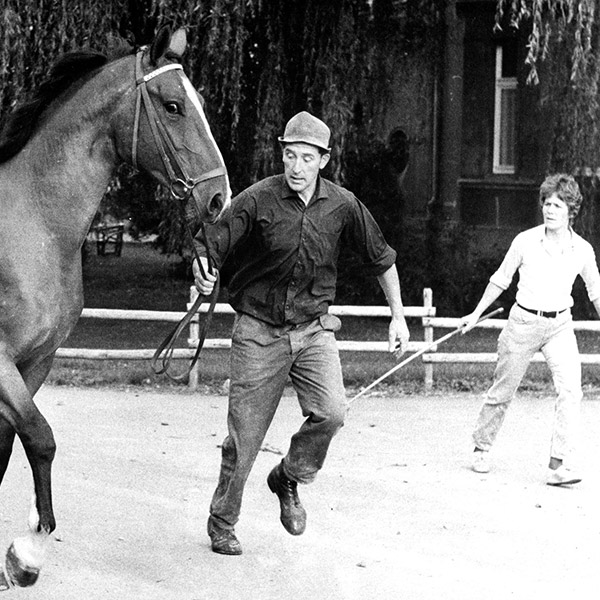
(143, 278)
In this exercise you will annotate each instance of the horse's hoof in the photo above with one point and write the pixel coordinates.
(18, 570)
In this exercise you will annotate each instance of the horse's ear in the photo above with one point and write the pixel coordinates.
(160, 44)
(178, 42)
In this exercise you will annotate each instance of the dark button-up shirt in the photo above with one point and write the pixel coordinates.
(287, 251)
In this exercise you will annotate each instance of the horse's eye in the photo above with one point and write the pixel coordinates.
(172, 108)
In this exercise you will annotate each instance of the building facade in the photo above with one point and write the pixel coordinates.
(475, 129)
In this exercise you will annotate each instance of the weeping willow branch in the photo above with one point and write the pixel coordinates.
(256, 62)
(567, 24)
(564, 60)
(564, 57)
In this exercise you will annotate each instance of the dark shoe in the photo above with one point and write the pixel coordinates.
(293, 515)
(223, 541)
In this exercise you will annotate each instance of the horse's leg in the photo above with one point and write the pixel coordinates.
(33, 377)
(7, 436)
(17, 407)
(25, 555)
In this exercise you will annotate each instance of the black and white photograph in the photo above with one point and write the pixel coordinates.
(299, 299)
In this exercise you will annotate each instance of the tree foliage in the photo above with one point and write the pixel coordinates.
(256, 62)
(556, 25)
(563, 57)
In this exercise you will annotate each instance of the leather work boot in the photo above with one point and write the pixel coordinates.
(222, 541)
(293, 515)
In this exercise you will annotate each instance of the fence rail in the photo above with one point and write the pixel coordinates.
(432, 358)
(423, 312)
(427, 313)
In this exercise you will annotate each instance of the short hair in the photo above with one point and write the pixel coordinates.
(566, 188)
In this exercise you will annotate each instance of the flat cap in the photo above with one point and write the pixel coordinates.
(304, 128)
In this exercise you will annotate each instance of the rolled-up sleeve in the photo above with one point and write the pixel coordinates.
(365, 236)
(590, 275)
(221, 237)
(512, 261)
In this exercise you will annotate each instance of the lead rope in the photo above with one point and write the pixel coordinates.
(163, 356)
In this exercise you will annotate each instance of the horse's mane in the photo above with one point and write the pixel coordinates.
(21, 123)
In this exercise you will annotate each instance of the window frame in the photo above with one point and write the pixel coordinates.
(502, 84)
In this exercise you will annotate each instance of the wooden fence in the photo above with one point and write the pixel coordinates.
(491, 357)
(427, 313)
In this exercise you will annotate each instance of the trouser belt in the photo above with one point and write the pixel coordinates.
(542, 313)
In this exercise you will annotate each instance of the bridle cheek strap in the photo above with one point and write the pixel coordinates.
(140, 82)
(180, 188)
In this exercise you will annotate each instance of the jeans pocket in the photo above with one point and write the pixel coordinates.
(236, 322)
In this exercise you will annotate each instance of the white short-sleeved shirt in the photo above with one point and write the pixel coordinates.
(546, 274)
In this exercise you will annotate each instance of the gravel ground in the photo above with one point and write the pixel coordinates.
(395, 514)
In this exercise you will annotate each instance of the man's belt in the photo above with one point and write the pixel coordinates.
(542, 313)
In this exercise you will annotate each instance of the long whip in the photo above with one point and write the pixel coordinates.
(420, 352)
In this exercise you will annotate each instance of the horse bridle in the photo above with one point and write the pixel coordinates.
(181, 189)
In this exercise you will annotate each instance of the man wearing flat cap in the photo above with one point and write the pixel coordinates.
(287, 231)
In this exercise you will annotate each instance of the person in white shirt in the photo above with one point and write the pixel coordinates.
(548, 258)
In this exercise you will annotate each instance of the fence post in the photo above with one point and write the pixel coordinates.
(428, 337)
(194, 336)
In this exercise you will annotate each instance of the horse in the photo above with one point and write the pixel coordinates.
(58, 153)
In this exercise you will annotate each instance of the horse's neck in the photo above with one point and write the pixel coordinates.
(71, 158)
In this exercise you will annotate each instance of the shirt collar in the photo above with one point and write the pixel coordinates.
(320, 190)
(542, 232)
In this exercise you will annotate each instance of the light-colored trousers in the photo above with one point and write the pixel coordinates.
(263, 358)
(524, 335)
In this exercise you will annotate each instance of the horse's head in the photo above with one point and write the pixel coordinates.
(171, 136)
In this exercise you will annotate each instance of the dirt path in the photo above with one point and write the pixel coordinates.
(395, 514)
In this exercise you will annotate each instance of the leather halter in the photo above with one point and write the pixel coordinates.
(180, 187)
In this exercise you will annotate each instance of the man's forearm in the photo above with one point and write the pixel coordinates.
(390, 284)
(491, 293)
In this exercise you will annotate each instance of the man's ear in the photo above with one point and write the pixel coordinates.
(324, 160)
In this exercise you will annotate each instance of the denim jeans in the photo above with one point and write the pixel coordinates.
(263, 357)
(524, 335)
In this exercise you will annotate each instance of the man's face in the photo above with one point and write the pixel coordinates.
(302, 163)
(555, 212)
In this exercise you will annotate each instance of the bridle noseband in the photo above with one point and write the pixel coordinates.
(180, 186)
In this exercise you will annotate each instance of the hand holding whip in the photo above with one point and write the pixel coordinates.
(459, 329)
